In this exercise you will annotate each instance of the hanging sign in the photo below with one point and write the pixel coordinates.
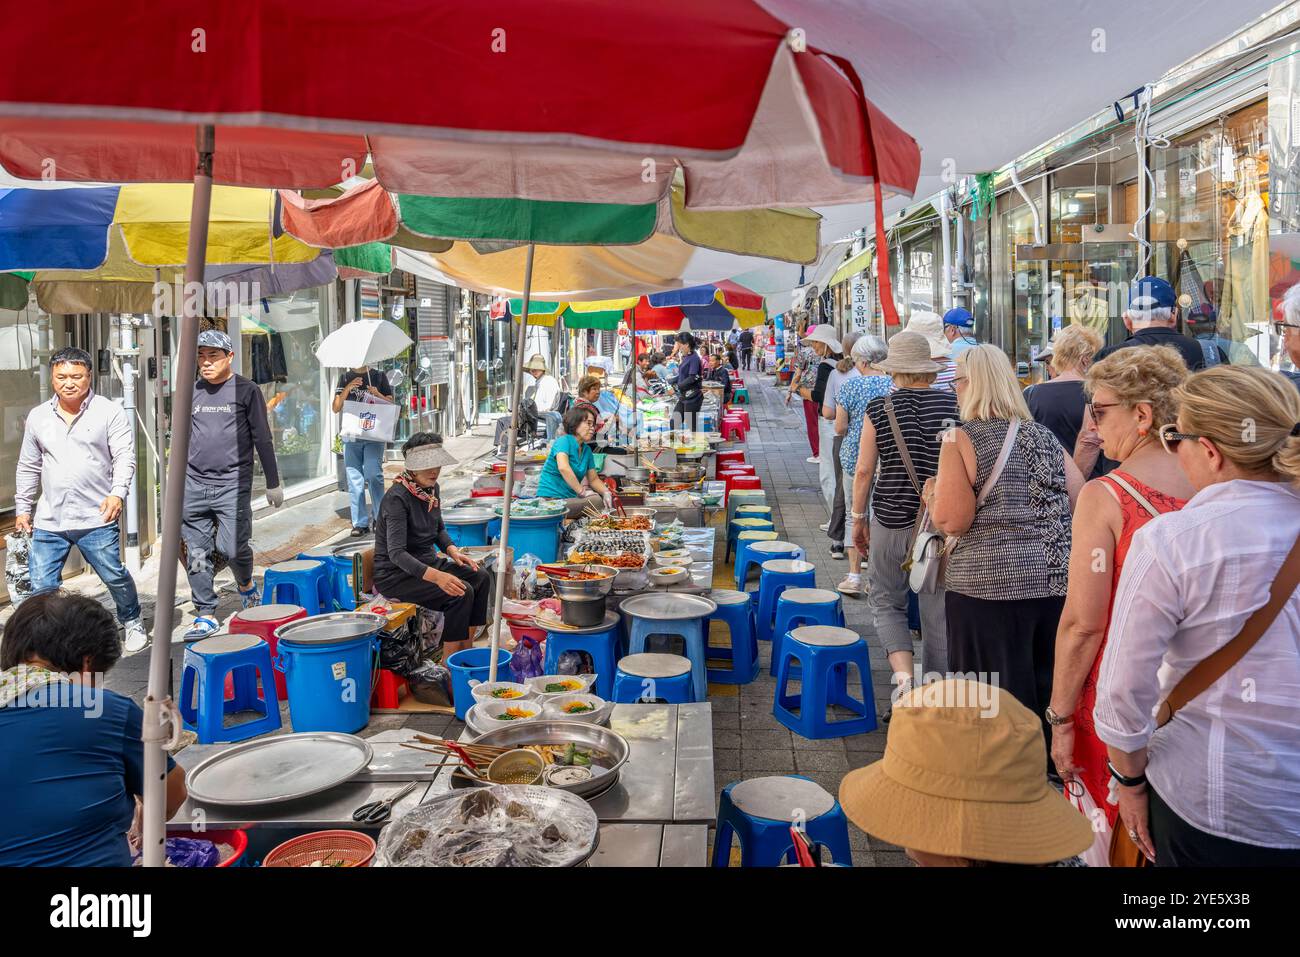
(861, 304)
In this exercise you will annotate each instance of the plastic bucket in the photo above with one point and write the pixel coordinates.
(466, 534)
(536, 536)
(472, 664)
(329, 683)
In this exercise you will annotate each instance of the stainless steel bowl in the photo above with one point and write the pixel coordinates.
(560, 733)
(639, 511)
(637, 473)
(684, 473)
(584, 590)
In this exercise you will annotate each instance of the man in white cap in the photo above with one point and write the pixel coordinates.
(546, 394)
(229, 422)
(930, 325)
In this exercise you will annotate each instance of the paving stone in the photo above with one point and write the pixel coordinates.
(429, 723)
(760, 721)
(821, 761)
(871, 743)
(818, 744)
(770, 761)
(725, 760)
(760, 739)
(727, 739)
(726, 720)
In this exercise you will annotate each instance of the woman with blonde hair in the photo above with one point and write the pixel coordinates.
(1006, 487)
(1059, 402)
(1131, 394)
(1220, 783)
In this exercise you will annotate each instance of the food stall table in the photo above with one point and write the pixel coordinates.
(652, 845)
(668, 777)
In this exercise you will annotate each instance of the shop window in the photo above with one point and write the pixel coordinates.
(23, 385)
(1210, 228)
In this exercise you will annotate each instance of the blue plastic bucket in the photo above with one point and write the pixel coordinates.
(329, 671)
(472, 664)
(536, 536)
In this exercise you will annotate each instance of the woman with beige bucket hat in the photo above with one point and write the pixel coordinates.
(961, 783)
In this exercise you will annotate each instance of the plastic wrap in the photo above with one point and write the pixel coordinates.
(501, 826)
(526, 661)
(18, 579)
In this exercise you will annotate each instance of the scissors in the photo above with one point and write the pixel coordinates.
(376, 812)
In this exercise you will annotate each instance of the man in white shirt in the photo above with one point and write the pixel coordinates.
(546, 395)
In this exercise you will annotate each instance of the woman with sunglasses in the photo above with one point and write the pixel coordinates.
(1288, 327)
(1131, 398)
(1220, 783)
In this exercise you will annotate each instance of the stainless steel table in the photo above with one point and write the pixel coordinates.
(652, 845)
(668, 777)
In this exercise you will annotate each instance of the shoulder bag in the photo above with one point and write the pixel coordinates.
(1123, 851)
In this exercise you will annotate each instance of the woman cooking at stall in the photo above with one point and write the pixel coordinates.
(571, 460)
(408, 539)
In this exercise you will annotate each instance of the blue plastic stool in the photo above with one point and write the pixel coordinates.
(205, 667)
(536, 536)
(303, 582)
(756, 553)
(759, 812)
(779, 574)
(825, 653)
(601, 642)
(693, 631)
(736, 608)
(803, 606)
(744, 496)
(649, 678)
(338, 569)
(742, 523)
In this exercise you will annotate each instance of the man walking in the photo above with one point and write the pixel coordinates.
(746, 350)
(1152, 319)
(79, 451)
(229, 422)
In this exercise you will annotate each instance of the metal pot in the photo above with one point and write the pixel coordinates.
(637, 473)
(683, 473)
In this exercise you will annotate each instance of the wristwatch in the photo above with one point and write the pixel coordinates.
(1056, 720)
(1127, 782)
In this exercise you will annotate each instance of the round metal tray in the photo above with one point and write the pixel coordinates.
(547, 731)
(281, 768)
(332, 628)
(668, 607)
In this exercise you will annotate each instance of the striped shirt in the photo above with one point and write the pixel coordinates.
(923, 416)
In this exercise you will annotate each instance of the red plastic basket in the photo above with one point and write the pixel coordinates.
(351, 848)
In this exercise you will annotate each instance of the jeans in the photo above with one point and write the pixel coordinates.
(216, 518)
(746, 358)
(554, 424)
(100, 548)
(365, 467)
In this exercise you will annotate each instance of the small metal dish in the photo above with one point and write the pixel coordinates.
(519, 766)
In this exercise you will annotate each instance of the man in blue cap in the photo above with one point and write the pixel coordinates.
(1152, 318)
(959, 330)
(229, 424)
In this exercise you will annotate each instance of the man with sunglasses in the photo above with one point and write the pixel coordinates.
(1152, 318)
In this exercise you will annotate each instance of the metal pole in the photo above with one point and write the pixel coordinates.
(503, 567)
(161, 720)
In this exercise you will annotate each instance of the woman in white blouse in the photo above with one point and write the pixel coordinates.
(1220, 783)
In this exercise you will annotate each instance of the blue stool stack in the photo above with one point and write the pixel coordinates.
(206, 665)
(600, 641)
(650, 678)
(747, 522)
(759, 812)
(673, 615)
(736, 608)
(825, 653)
(779, 574)
(744, 496)
(338, 571)
(757, 552)
(302, 582)
(803, 606)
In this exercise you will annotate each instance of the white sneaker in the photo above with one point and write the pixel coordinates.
(136, 636)
(824, 526)
(852, 585)
(815, 460)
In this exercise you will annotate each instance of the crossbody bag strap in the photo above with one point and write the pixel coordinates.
(1218, 664)
(1013, 428)
(1137, 496)
(902, 446)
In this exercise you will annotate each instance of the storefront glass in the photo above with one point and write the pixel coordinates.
(22, 388)
(491, 369)
(1210, 228)
(1024, 291)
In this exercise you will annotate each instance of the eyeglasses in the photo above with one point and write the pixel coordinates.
(1098, 409)
(1170, 437)
(1281, 327)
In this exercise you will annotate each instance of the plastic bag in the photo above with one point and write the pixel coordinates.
(430, 683)
(526, 661)
(1098, 854)
(399, 651)
(191, 852)
(575, 663)
(18, 577)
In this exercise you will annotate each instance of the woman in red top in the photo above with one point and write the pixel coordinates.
(1130, 399)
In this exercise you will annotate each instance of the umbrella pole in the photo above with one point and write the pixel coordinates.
(636, 434)
(161, 720)
(512, 447)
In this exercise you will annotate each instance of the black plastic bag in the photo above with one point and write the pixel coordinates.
(430, 683)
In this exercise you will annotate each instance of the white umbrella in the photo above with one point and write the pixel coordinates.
(362, 343)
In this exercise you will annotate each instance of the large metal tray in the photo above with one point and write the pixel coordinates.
(561, 732)
(281, 768)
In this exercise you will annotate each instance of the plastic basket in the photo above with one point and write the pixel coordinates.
(351, 848)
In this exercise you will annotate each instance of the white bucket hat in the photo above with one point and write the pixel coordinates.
(930, 325)
(909, 354)
(428, 457)
(825, 334)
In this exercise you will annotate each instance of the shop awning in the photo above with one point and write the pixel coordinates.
(851, 268)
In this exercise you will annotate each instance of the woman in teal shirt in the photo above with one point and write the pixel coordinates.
(572, 460)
